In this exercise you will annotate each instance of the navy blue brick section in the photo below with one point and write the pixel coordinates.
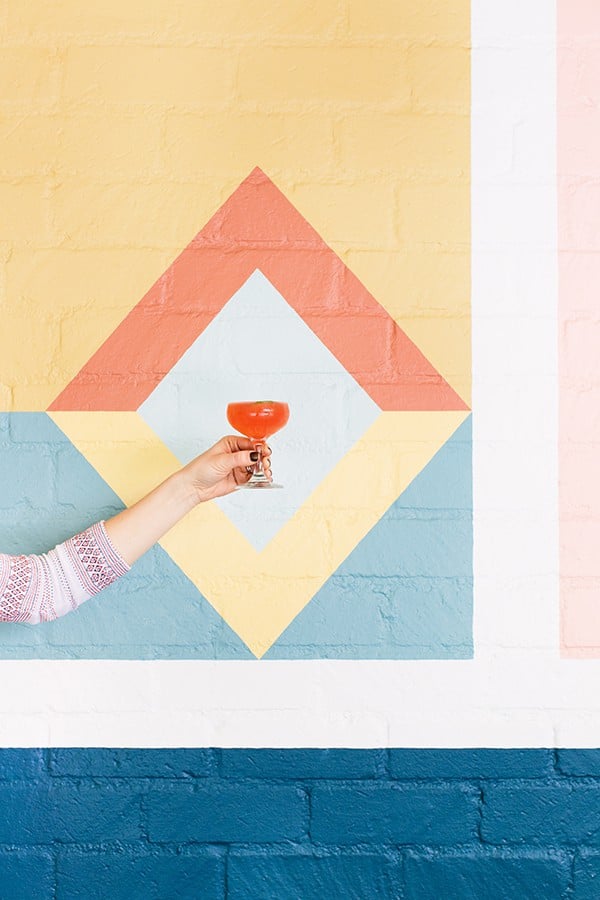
(391, 814)
(227, 813)
(473, 876)
(232, 824)
(542, 814)
(578, 762)
(111, 763)
(141, 875)
(40, 812)
(21, 764)
(26, 874)
(308, 876)
(304, 764)
(462, 764)
(586, 877)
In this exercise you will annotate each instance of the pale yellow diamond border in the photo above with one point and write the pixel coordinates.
(257, 593)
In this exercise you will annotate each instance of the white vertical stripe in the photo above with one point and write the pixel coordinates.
(514, 303)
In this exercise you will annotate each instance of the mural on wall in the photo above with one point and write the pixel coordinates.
(360, 554)
(334, 275)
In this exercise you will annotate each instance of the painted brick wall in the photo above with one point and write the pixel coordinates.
(402, 824)
(123, 128)
(123, 131)
(136, 139)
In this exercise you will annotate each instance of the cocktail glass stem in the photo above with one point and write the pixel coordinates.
(258, 475)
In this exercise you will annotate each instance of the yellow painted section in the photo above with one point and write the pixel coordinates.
(259, 594)
(125, 125)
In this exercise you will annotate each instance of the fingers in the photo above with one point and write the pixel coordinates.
(231, 443)
(234, 442)
(241, 458)
(245, 458)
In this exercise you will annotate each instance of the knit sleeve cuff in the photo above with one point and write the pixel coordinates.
(113, 557)
(95, 558)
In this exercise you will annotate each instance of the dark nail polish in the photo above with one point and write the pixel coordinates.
(254, 456)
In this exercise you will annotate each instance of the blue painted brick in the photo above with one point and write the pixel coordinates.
(295, 876)
(18, 494)
(380, 558)
(17, 764)
(227, 812)
(73, 487)
(578, 762)
(26, 875)
(541, 814)
(176, 763)
(463, 764)
(389, 813)
(297, 764)
(38, 812)
(35, 428)
(474, 877)
(586, 877)
(141, 875)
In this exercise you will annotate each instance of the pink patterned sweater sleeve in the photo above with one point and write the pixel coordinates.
(40, 588)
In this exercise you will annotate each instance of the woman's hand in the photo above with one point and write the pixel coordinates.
(227, 464)
(214, 473)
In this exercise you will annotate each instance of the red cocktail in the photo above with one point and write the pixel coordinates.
(258, 420)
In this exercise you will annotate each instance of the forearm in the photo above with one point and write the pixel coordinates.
(39, 588)
(137, 528)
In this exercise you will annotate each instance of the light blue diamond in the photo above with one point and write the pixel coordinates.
(259, 347)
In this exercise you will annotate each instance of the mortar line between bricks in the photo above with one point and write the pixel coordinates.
(309, 804)
(480, 805)
(571, 883)
(291, 42)
(555, 762)
(55, 852)
(387, 764)
(226, 873)
(144, 835)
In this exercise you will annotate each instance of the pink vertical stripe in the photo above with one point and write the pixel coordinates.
(578, 161)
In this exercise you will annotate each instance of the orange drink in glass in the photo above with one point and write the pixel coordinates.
(258, 420)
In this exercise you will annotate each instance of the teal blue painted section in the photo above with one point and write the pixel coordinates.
(406, 591)
(48, 492)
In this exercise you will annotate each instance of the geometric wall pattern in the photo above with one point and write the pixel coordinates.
(369, 414)
(403, 592)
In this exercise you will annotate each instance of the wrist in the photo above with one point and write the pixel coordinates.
(184, 490)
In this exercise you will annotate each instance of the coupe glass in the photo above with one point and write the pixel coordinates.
(258, 420)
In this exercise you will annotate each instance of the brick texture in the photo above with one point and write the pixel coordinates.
(472, 876)
(391, 814)
(230, 824)
(123, 129)
(586, 876)
(222, 812)
(140, 874)
(27, 874)
(541, 814)
(309, 876)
